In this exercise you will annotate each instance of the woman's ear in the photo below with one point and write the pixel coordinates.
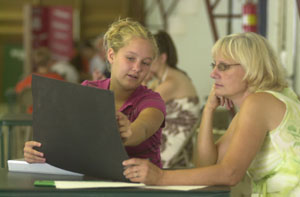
(163, 57)
(110, 55)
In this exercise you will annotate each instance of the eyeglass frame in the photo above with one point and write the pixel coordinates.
(225, 66)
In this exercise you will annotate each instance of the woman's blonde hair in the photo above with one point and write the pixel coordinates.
(263, 68)
(122, 31)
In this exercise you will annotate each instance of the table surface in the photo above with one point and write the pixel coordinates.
(21, 184)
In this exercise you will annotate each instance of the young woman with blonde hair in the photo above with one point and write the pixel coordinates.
(130, 50)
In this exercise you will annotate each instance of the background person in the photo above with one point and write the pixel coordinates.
(42, 62)
(98, 65)
(67, 70)
(180, 96)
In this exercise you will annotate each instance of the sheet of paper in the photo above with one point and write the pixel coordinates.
(77, 128)
(94, 184)
(42, 168)
(108, 184)
(176, 187)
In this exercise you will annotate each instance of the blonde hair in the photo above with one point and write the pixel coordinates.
(263, 68)
(124, 30)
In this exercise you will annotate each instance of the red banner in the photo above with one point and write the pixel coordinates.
(52, 27)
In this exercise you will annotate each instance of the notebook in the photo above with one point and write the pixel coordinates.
(77, 127)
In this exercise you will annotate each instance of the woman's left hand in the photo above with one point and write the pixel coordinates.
(142, 170)
(124, 126)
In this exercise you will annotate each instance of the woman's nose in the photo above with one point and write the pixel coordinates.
(137, 66)
(214, 73)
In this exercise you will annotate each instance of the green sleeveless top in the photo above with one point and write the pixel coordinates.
(275, 171)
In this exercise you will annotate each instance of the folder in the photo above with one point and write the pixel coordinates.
(77, 127)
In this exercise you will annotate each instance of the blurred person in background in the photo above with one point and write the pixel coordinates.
(98, 65)
(180, 96)
(42, 62)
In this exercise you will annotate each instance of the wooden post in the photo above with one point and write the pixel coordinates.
(27, 38)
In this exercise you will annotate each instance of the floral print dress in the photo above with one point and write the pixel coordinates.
(182, 115)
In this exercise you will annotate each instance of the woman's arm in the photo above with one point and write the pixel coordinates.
(207, 149)
(252, 124)
(146, 124)
(142, 170)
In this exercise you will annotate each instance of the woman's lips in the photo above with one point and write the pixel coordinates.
(132, 76)
(218, 85)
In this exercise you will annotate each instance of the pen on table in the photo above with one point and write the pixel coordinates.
(44, 183)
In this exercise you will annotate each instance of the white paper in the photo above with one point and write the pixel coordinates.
(109, 184)
(176, 187)
(23, 166)
(94, 184)
(42, 168)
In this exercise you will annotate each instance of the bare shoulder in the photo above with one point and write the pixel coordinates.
(166, 89)
(264, 107)
(183, 83)
(262, 100)
(172, 82)
(168, 85)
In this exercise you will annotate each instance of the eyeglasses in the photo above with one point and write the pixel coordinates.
(222, 66)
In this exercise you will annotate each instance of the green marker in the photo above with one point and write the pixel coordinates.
(44, 183)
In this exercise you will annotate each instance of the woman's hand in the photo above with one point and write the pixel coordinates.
(124, 126)
(214, 101)
(31, 155)
(142, 170)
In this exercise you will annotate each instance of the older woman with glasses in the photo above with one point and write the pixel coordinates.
(263, 137)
